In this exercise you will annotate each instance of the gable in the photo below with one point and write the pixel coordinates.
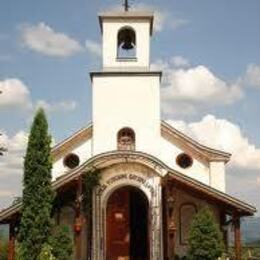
(186, 143)
(78, 145)
(72, 142)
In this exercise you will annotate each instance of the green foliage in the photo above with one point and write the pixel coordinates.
(205, 237)
(38, 196)
(46, 253)
(3, 247)
(61, 242)
(92, 179)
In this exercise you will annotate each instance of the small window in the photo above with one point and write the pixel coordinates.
(126, 43)
(71, 161)
(126, 139)
(184, 160)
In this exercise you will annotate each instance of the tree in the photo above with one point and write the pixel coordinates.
(205, 238)
(61, 243)
(38, 195)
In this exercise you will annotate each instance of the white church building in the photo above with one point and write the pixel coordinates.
(153, 177)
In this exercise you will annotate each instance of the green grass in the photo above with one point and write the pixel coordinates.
(248, 252)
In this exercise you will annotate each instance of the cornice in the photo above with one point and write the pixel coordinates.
(211, 155)
(108, 159)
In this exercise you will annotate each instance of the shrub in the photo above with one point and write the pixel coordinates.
(61, 242)
(205, 238)
(46, 253)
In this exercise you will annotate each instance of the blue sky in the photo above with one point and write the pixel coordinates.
(48, 47)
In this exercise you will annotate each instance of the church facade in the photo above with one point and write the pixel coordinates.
(153, 178)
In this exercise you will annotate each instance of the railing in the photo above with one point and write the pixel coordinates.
(248, 253)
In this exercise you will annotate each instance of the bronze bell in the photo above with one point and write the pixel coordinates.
(128, 44)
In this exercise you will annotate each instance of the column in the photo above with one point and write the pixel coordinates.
(237, 236)
(223, 223)
(11, 243)
(170, 221)
(78, 219)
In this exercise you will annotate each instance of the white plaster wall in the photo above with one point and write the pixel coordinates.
(217, 175)
(199, 170)
(126, 101)
(110, 31)
(181, 199)
(83, 151)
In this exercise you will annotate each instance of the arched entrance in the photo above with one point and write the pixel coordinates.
(127, 230)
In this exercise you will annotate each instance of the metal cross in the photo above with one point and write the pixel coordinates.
(126, 5)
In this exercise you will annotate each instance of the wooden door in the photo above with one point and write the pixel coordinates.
(118, 226)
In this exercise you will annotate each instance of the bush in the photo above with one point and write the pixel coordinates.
(46, 253)
(61, 242)
(205, 238)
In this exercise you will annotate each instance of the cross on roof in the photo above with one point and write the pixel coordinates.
(126, 5)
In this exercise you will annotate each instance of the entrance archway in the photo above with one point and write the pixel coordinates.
(127, 229)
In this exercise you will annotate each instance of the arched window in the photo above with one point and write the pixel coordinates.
(187, 213)
(126, 43)
(126, 139)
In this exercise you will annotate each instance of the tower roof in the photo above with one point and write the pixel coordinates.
(124, 16)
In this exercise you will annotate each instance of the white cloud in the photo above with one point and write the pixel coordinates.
(258, 181)
(179, 61)
(6, 193)
(190, 89)
(200, 84)
(14, 94)
(11, 166)
(43, 39)
(12, 161)
(252, 76)
(94, 47)
(61, 106)
(224, 135)
(162, 19)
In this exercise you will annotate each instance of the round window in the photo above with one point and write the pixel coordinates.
(71, 161)
(184, 160)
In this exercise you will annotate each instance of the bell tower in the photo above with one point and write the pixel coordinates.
(126, 39)
(126, 93)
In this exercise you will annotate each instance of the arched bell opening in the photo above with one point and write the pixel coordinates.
(127, 231)
(126, 43)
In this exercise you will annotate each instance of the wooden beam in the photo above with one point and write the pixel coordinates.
(78, 219)
(237, 236)
(223, 221)
(165, 231)
(170, 197)
(11, 242)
